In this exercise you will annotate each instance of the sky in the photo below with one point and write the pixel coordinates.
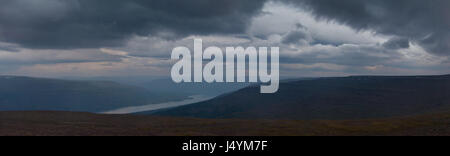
(92, 38)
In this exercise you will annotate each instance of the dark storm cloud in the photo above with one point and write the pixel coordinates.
(94, 23)
(294, 37)
(426, 22)
(397, 43)
(9, 47)
(298, 36)
(348, 55)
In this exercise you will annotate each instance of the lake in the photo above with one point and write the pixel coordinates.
(165, 105)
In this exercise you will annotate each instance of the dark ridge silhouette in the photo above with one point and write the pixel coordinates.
(355, 97)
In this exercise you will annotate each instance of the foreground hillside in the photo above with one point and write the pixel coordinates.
(69, 123)
(25, 93)
(359, 97)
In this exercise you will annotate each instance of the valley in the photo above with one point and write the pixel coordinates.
(356, 105)
(334, 98)
(26, 93)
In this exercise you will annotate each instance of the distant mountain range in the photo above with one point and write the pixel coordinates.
(356, 97)
(167, 86)
(25, 93)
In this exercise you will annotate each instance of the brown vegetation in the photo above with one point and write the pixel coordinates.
(70, 123)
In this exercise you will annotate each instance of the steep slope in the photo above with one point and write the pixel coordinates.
(24, 93)
(329, 98)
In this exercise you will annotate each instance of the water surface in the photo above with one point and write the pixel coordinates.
(153, 107)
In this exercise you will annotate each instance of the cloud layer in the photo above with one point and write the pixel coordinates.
(135, 37)
(93, 23)
(426, 23)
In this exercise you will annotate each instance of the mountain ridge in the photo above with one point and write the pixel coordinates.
(353, 97)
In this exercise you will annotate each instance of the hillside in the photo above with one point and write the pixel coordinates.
(86, 124)
(24, 93)
(358, 97)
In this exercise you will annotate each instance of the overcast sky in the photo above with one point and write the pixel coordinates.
(89, 38)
